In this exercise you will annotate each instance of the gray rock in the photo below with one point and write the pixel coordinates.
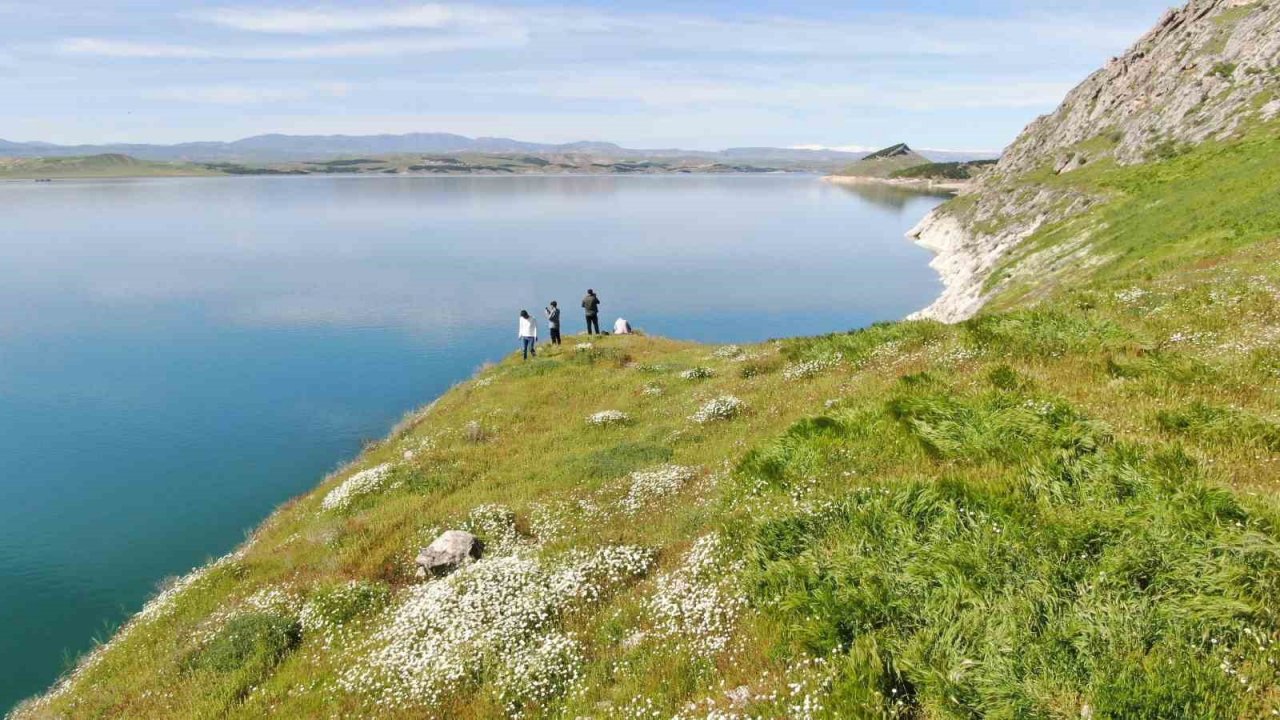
(448, 552)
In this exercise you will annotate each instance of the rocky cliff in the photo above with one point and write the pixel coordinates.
(1207, 72)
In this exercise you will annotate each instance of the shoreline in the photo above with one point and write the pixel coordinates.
(959, 262)
(954, 187)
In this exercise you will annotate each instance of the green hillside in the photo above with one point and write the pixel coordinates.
(886, 162)
(93, 166)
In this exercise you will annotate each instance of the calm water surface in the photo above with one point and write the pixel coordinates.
(177, 357)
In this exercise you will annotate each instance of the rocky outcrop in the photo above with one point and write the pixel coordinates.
(448, 552)
(1204, 72)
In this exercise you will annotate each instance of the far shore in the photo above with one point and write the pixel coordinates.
(950, 186)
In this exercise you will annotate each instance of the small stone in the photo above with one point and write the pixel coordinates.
(448, 552)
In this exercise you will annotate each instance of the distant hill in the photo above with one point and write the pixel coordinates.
(885, 163)
(275, 148)
(94, 166)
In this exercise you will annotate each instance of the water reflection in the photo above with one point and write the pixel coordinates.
(892, 197)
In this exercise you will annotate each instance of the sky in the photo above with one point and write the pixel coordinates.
(959, 75)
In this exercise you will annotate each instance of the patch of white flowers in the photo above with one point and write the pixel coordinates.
(725, 407)
(727, 352)
(1131, 295)
(608, 417)
(652, 390)
(810, 368)
(496, 524)
(648, 486)
(698, 373)
(496, 617)
(697, 603)
(584, 347)
(362, 483)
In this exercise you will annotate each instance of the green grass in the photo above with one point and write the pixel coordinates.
(1065, 507)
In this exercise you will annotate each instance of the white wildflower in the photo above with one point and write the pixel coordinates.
(362, 483)
(697, 603)
(648, 486)
(1131, 295)
(697, 373)
(810, 368)
(608, 417)
(727, 352)
(722, 408)
(496, 615)
(496, 524)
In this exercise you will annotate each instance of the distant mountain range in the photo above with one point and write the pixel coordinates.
(284, 148)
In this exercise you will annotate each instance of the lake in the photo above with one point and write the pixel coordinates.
(180, 356)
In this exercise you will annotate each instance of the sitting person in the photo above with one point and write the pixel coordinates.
(621, 327)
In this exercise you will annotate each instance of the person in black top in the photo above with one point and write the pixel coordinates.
(553, 322)
(591, 305)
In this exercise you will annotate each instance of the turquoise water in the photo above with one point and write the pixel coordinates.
(179, 356)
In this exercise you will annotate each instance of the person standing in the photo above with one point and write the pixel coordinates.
(591, 305)
(553, 322)
(528, 334)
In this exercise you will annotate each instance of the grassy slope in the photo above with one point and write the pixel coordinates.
(1063, 508)
(94, 166)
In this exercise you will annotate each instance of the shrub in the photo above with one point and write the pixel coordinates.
(252, 643)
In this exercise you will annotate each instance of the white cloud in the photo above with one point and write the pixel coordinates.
(249, 95)
(313, 21)
(459, 27)
(321, 51)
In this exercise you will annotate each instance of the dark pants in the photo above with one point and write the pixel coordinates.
(530, 347)
(593, 324)
(555, 336)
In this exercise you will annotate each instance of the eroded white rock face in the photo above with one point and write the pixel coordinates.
(1194, 76)
(453, 549)
(1200, 74)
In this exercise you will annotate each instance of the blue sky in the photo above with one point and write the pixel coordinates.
(706, 75)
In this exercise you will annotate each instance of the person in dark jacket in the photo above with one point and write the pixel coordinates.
(553, 322)
(591, 305)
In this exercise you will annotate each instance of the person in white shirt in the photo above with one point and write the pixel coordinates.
(528, 334)
(621, 327)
